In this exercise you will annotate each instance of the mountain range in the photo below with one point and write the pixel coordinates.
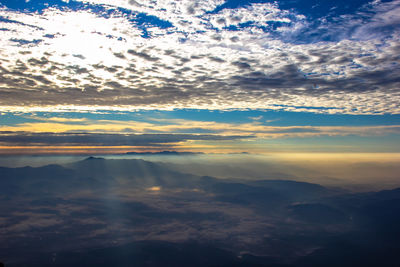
(125, 212)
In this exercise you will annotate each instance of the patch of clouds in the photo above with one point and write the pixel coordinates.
(259, 15)
(99, 139)
(63, 131)
(385, 19)
(198, 62)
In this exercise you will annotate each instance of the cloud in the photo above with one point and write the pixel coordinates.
(98, 139)
(384, 20)
(200, 130)
(138, 55)
(142, 55)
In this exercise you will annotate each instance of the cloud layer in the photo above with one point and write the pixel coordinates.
(203, 54)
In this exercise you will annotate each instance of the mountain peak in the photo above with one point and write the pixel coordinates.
(94, 158)
(166, 152)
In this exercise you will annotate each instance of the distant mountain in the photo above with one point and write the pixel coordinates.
(49, 179)
(128, 212)
(295, 190)
(165, 153)
(99, 173)
(135, 172)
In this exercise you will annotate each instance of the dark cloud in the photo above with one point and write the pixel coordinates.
(51, 36)
(111, 69)
(234, 39)
(77, 70)
(106, 139)
(143, 55)
(295, 130)
(26, 42)
(41, 78)
(216, 59)
(113, 84)
(241, 65)
(119, 55)
(20, 66)
(38, 62)
(79, 56)
(6, 20)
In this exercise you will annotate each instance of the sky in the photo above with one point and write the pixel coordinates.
(217, 76)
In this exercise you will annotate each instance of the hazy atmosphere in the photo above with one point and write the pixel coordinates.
(199, 133)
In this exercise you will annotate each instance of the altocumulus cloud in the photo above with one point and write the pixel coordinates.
(203, 54)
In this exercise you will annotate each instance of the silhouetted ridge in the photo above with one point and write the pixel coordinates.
(94, 158)
(166, 153)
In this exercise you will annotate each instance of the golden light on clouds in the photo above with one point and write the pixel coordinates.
(154, 189)
(255, 128)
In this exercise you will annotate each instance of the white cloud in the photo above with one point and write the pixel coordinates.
(78, 59)
(386, 15)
